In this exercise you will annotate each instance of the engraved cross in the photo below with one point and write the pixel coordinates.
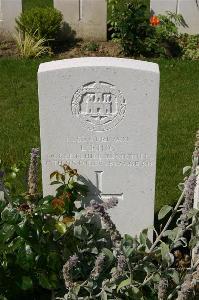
(99, 184)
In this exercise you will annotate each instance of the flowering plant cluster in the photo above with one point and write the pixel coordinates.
(141, 34)
(107, 265)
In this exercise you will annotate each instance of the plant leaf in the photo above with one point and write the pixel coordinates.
(26, 283)
(164, 211)
(123, 284)
(185, 169)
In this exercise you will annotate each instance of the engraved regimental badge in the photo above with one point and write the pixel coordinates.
(99, 106)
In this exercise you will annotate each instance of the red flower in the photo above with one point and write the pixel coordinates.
(154, 21)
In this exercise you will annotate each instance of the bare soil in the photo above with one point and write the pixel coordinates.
(68, 50)
(7, 48)
(81, 49)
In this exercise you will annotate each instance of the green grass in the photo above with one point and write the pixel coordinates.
(178, 122)
(19, 130)
(28, 4)
(178, 118)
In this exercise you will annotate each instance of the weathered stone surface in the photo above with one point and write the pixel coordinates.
(189, 9)
(9, 11)
(162, 6)
(100, 116)
(87, 18)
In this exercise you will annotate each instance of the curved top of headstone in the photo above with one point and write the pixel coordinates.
(99, 62)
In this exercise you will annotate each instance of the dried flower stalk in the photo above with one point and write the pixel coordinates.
(67, 268)
(163, 288)
(33, 172)
(98, 268)
(100, 210)
(186, 291)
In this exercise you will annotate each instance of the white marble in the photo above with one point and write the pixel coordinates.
(162, 6)
(87, 18)
(100, 115)
(9, 11)
(189, 9)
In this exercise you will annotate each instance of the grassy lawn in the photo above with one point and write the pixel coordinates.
(27, 4)
(178, 122)
(178, 118)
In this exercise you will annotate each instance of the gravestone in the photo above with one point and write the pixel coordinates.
(9, 11)
(87, 18)
(162, 6)
(189, 9)
(100, 116)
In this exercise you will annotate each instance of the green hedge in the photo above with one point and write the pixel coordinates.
(28, 4)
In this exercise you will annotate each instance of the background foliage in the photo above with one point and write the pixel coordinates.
(41, 22)
(27, 4)
(35, 235)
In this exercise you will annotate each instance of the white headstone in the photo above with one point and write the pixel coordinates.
(189, 9)
(9, 11)
(87, 18)
(162, 6)
(100, 116)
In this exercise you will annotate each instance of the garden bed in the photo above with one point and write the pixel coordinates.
(68, 50)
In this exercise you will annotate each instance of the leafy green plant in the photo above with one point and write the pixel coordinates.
(169, 23)
(38, 235)
(190, 46)
(7, 178)
(116, 267)
(35, 235)
(166, 34)
(46, 22)
(91, 46)
(30, 46)
(28, 4)
(129, 22)
(138, 34)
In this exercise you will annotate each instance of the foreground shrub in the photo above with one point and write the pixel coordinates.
(167, 36)
(39, 237)
(190, 46)
(117, 267)
(129, 21)
(30, 46)
(35, 235)
(46, 22)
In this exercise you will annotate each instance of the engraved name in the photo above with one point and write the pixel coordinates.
(106, 151)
